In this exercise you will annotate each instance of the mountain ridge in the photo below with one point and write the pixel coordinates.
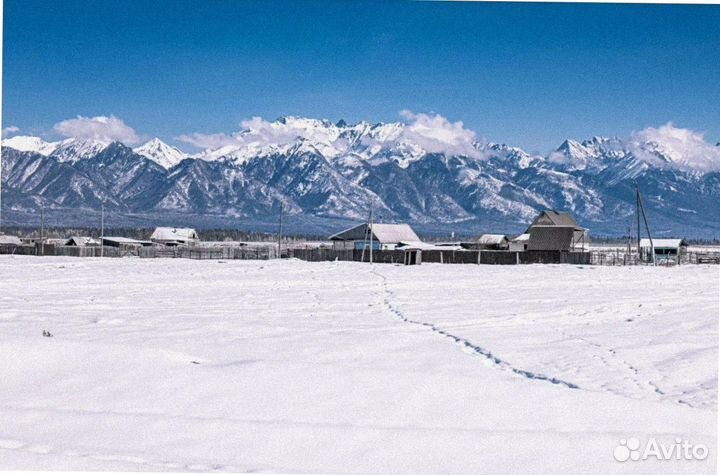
(336, 171)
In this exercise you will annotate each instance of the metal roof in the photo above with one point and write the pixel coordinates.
(554, 218)
(174, 234)
(384, 233)
(551, 238)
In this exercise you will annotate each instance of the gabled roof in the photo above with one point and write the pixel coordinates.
(492, 239)
(174, 234)
(663, 243)
(554, 218)
(550, 238)
(82, 241)
(525, 237)
(384, 233)
(124, 240)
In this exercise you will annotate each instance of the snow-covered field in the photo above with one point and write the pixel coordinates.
(350, 368)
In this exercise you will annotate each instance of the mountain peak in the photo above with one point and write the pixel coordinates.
(26, 143)
(161, 153)
(72, 149)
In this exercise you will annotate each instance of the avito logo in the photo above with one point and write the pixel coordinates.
(631, 449)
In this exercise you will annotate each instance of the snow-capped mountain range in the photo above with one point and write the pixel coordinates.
(331, 171)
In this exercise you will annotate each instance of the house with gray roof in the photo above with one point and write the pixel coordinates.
(383, 236)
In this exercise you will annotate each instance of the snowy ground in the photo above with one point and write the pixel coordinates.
(348, 368)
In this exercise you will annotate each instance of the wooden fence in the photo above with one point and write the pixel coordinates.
(196, 252)
(446, 256)
(605, 257)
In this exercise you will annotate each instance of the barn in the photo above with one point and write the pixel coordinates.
(556, 231)
(175, 236)
(551, 238)
(383, 236)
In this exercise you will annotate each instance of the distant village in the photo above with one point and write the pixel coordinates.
(553, 237)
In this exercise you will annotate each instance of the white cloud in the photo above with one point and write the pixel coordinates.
(287, 131)
(686, 149)
(101, 128)
(258, 132)
(436, 134)
(558, 158)
(10, 130)
(211, 141)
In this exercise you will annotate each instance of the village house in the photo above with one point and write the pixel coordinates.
(175, 236)
(383, 236)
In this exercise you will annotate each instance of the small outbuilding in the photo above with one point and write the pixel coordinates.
(493, 242)
(520, 243)
(175, 236)
(383, 236)
(666, 250)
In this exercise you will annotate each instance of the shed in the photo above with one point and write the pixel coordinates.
(175, 236)
(10, 240)
(665, 249)
(496, 242)
(383, 236)
(520, 243)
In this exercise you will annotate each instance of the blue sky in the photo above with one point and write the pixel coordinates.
(523, 74)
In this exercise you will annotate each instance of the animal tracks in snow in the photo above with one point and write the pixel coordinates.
(467, 345)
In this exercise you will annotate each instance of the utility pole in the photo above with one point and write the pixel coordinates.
(280, 231)
(637, 215)
(365, 240)
(102, 231)
(1, 168)
(647, 227)
(42, 230)
(372, 203)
